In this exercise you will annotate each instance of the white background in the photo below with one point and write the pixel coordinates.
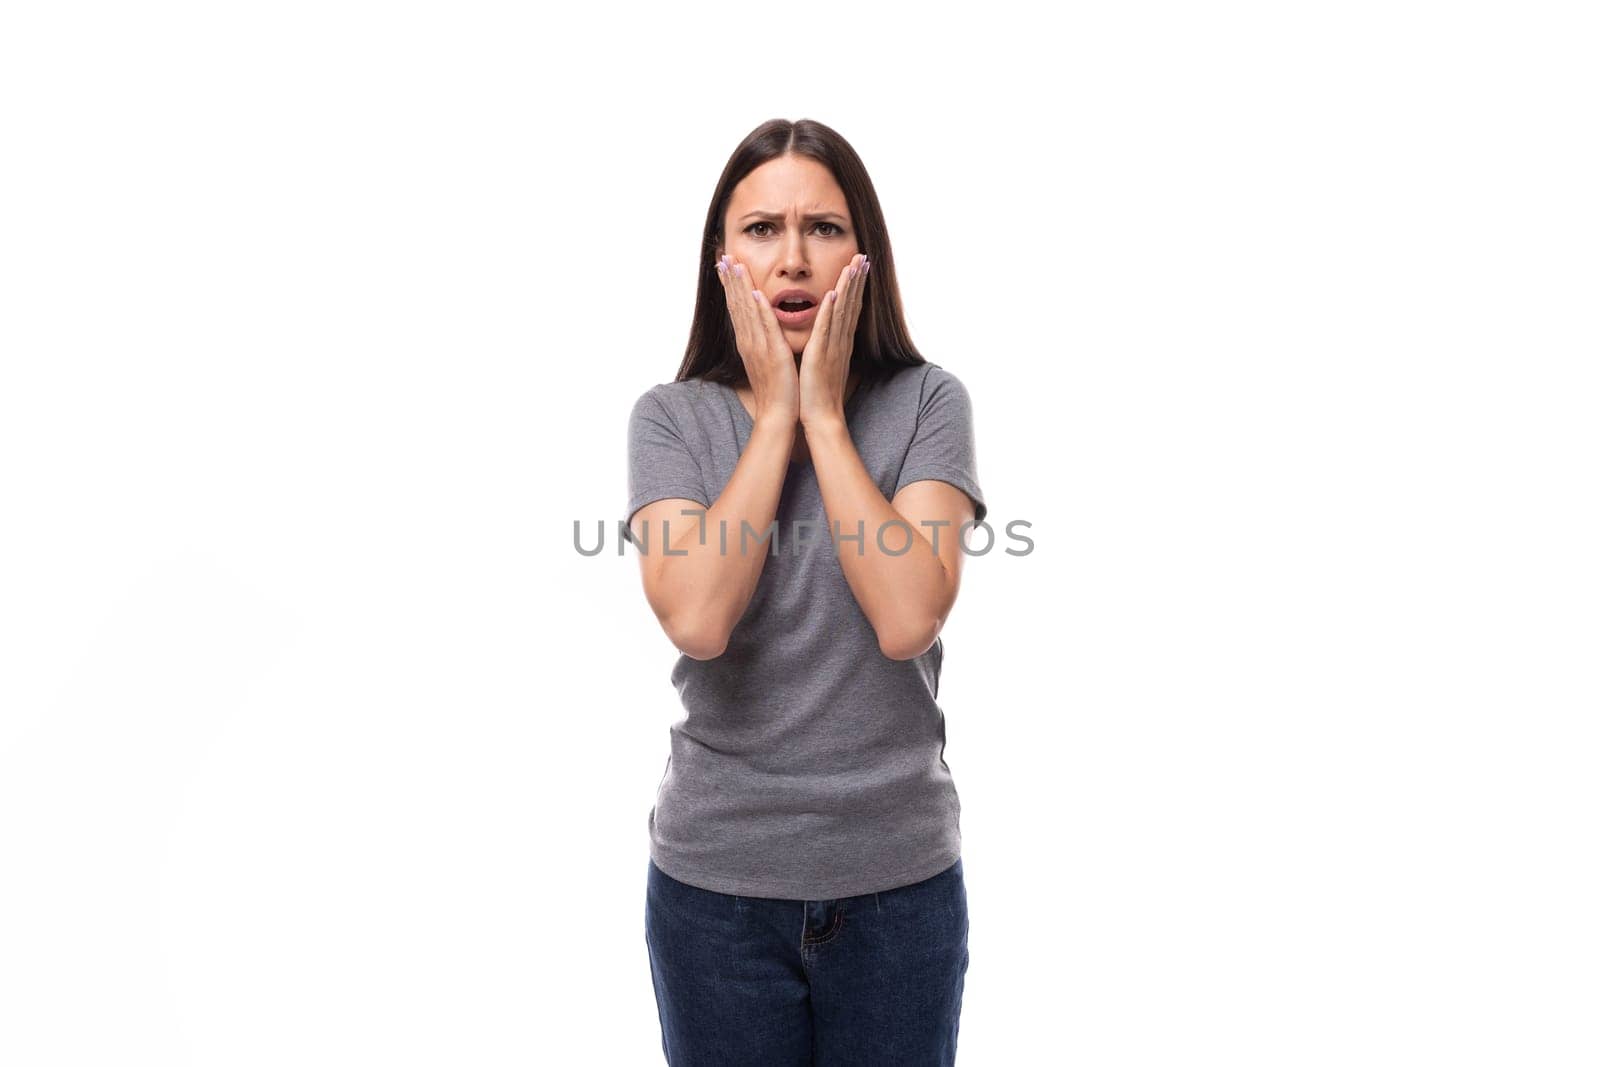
(321, 744)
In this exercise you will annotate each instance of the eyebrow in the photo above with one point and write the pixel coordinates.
(779, 215)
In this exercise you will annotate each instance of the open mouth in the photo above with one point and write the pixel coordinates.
(794, 307)
(795, 314)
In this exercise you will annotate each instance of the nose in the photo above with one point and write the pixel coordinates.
(792, 255)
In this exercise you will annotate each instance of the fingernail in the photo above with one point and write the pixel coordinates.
(738, 270)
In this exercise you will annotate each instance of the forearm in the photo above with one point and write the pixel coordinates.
(714, 562)
(904, 596)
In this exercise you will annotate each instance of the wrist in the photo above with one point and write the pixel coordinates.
(820, 426)
(777, 423)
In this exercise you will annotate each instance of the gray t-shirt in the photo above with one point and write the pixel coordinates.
(809, 765)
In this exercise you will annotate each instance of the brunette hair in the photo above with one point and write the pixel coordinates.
(882, 345)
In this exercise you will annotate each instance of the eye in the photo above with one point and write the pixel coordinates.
(834, 228)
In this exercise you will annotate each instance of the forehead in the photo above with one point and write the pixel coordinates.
(788, 184)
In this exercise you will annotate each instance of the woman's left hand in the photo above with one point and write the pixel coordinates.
(825, 363)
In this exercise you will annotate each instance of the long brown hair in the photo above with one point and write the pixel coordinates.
(882, 345)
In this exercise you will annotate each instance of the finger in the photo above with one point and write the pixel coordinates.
(723, 274)
(817, 344)
(856, 296)
(849, 285)
(845, 292)
(771, 328)
(764, 333)
(745, 327)
(841, 298)
(744, 292)
(826, 317)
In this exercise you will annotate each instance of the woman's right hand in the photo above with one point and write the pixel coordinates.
(769, 362)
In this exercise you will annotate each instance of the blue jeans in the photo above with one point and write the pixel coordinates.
(761, 982)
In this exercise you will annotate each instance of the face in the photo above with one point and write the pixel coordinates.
(788, 223)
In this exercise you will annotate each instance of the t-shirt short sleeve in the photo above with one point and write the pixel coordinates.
(944, 445)
(661, 465)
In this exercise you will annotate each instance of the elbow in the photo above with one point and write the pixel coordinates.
(698, 641)
(704, 651)
(689, 626)
(907, 644)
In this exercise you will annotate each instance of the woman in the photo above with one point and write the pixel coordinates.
(803, 482)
